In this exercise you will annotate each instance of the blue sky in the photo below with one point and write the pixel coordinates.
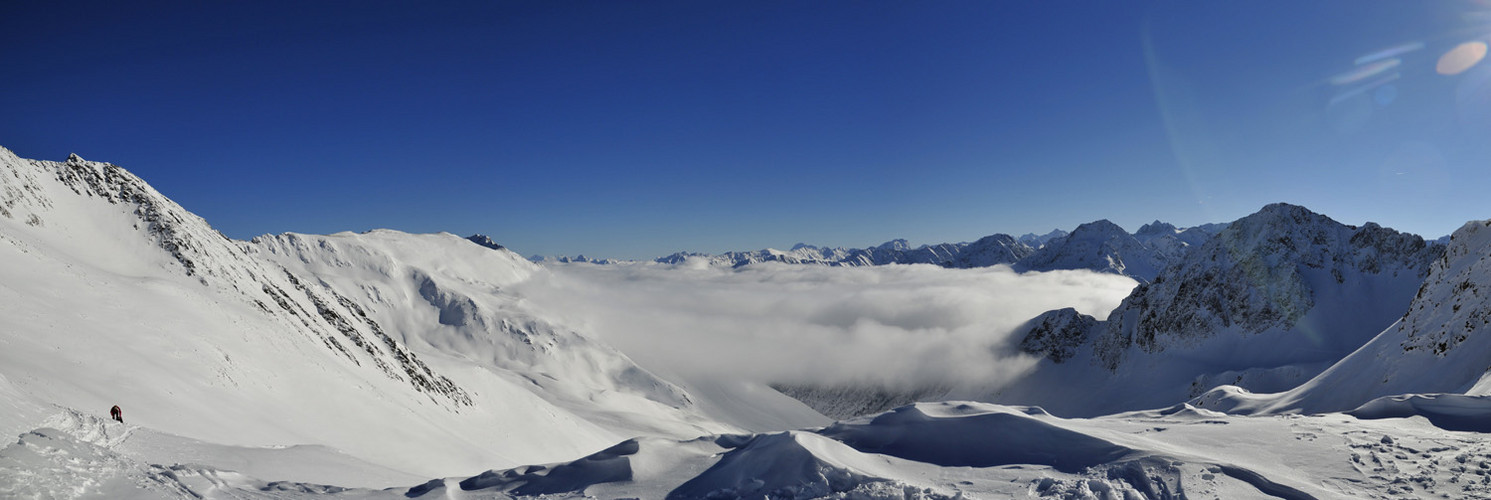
(636, 129)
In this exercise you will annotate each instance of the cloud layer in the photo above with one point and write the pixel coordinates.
(896, 326)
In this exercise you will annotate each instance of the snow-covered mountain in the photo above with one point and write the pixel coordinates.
(1099, 246)
(1104, 247)
(1441, 344)
(1033, 240)
(1267, 303)
(114, 294)
(578, 259)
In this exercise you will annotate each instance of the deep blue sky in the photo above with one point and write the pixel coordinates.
(635, 129)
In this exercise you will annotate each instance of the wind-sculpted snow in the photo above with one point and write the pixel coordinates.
(606, 466)
(976, 450)
(1456, 412)
(796, 466)
(1174, 453)
(968, 435)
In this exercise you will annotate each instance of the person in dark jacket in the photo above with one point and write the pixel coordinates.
(116, 414)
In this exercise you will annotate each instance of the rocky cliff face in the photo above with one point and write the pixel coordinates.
(1454, 304)
(1057, 334)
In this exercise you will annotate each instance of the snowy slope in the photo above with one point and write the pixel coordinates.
(975, 450)
(113, 294)
(926, 451)
(449, 298)
(1267, 303)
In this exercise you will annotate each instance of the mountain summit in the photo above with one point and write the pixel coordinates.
(1271, 300)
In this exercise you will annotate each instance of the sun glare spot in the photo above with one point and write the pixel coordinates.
(1461, 58)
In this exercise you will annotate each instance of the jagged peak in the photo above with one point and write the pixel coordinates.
(1157, 228)
(1285, 212)
(999, 237)
(1473, 234)
(1037, 240)
(896, 244)
(1271, 218)
(1098, 227)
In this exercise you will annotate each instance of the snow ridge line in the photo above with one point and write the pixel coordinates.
(1264, 485)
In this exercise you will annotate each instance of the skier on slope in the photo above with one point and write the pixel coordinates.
(116, 414)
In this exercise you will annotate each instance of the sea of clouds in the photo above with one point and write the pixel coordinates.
(897, 326)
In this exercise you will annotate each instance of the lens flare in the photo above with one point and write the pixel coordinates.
(1365, 71)
(1394, 51)
(1461, 58)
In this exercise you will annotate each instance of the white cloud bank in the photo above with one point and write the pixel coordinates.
(898, 326)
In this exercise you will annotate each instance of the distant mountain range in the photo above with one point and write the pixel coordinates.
(1099, 246)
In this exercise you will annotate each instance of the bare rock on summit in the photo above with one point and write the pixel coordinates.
(1057, 334)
